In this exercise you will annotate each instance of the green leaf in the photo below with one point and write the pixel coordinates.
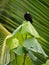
(3, 33)
(12, 63)
(28, 61)
(19, 35)
(19, 50)
(28, 28)
(47, 62)
(35, 51)
(20, 60)
(33, 45)
(34, 59)
(12, 43)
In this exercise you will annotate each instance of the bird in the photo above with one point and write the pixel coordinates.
(28, 17)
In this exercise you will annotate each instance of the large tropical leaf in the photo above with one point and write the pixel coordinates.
(12, 15)
(13, 12)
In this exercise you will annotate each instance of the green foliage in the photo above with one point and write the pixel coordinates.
(20, 33)
(12, 15)
(3, 33)
(47, 62)
(19, 50)
(28, 44)
(33, 45)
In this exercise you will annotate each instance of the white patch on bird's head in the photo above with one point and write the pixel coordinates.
(27, 12)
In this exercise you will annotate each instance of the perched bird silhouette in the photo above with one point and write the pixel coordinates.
(28, 17)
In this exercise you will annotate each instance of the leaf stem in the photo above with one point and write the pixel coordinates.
(16, 58)
(24, 59)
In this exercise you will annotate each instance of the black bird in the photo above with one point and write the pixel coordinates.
(28, 17)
